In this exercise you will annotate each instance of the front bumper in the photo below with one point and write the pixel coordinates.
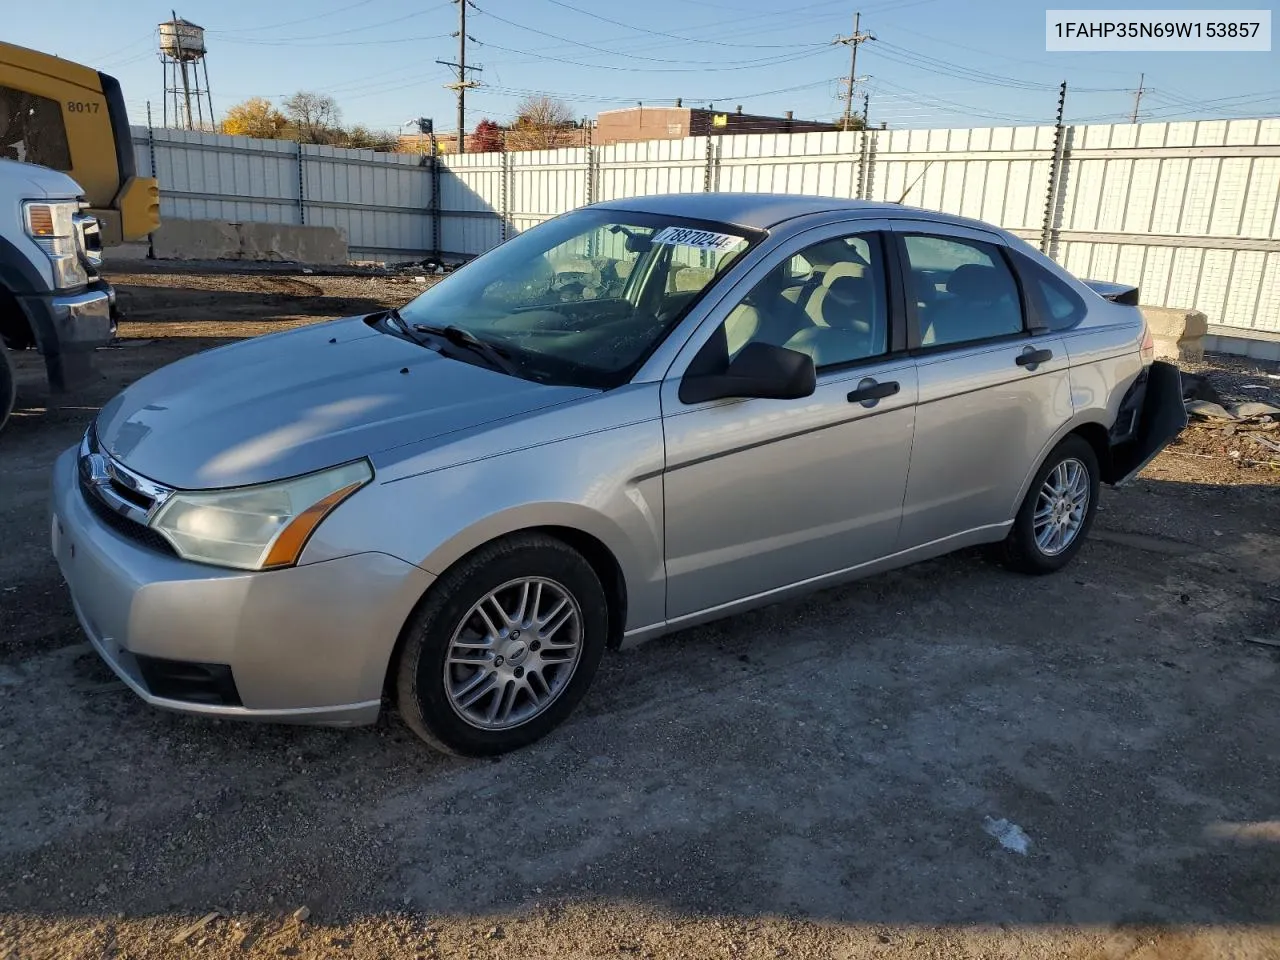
(68, 327)
(308, 644)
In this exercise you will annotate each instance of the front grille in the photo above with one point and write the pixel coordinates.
(189, 681)
(122, 525)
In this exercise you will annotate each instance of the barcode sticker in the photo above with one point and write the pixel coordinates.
(689, 237)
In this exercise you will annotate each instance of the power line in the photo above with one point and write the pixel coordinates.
(754, 65)
(736, 29)
(346, 7)
(593, 47)
(341, 43)
(294, 41)
(673, 36)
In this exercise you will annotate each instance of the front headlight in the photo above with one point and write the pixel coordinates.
(256, 528)
(52, 225)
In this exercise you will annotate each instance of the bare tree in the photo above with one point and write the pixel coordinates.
(541, 122)
(314, 115)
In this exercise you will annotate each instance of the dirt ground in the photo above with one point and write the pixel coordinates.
(845, 776)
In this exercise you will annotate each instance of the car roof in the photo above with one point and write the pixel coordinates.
(765, 210)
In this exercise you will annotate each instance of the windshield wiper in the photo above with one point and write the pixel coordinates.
(393, 316)
(497, 358)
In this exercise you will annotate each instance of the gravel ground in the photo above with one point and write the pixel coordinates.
(829, 778)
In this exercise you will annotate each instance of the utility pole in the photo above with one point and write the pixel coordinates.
(866, 111)
(464, 82)
(852, 42)
(1137, 97)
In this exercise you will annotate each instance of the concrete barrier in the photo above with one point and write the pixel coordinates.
(1179, 334)
(222, 240)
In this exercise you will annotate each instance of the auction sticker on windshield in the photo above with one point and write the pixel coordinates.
(689, 237)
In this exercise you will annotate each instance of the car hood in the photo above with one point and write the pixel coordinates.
(290, 403)
(32, 182)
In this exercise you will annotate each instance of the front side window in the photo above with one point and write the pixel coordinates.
(963, 290)
(32, 131)
(584, 298)
(828, 301)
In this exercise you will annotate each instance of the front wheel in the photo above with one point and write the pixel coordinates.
(1058, 510)
(503, 647)
(8, 386)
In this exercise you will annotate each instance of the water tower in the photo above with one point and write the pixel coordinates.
(182, 56)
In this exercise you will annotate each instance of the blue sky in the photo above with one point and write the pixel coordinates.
(934, 62)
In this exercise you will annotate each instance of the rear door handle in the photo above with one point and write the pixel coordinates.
(1030, 358)
(870, 392)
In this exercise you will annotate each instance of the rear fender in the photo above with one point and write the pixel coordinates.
(1158, 414)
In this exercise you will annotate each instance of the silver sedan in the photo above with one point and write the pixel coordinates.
(638, 416)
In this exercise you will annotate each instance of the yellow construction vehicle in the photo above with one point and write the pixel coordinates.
(68, 186)
(72, 118)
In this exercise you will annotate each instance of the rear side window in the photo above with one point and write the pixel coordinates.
(31, 129)
(1061, 307)
(963, 290)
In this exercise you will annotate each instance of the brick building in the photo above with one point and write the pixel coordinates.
(673, 123)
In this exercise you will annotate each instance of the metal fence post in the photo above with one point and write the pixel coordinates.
(872, 146)
(1049, 226)
(706, 167)
(591, 162)
(302, 198)
(435, 194)
(504, 192)
(151, 154)
(863, 138)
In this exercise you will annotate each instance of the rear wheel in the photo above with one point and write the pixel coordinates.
(503, 647)
(1058, 510)
(8, 386)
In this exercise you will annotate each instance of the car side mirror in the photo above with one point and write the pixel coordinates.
(760, 370)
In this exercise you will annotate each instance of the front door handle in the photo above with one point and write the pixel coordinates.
(870, 392)
(1032, 358)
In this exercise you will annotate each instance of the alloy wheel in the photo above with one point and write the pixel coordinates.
(513, 653)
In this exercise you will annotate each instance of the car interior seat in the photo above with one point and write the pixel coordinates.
(765, 315)
(849, 317)
(980, 303)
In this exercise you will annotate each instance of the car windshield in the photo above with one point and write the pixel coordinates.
(585, 298)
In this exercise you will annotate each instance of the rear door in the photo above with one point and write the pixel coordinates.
(993, 388)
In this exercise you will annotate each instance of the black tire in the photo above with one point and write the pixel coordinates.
(421, 696)
(8, 386)
(1020, 551)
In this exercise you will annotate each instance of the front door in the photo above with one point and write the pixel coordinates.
(993, 389)
(761, 494)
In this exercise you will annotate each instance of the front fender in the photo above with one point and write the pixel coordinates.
(607, 485)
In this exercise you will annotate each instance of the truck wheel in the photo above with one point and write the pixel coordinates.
(8, 386)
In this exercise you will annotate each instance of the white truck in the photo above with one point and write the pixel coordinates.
(52, 297)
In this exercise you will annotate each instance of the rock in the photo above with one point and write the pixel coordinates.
(302, 915)
(495, 934)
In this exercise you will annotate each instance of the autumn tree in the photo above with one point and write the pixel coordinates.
(314, 116)
(487, 138)
(541, 122)
(256, 117)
